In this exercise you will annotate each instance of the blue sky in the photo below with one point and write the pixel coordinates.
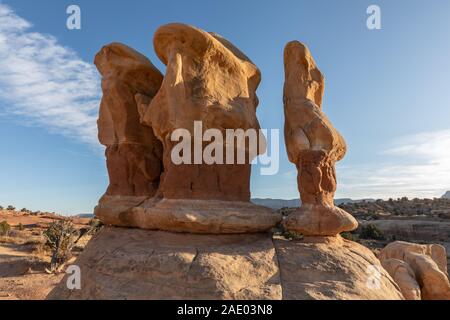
(386, 90)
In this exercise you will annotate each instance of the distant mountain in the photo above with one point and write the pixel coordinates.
(84, 215)
(446, 195)
(282, 203)
(277, 203)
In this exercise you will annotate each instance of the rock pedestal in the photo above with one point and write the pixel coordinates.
(121, 263)
(313, 145)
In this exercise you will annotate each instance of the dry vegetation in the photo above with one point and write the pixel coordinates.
(34, 247)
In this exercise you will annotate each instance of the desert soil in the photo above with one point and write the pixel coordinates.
(23, 258)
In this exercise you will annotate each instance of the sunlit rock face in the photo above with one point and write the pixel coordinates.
(209, 84)
(313, 145)
(133, 153)
(419, 270)
(207, 80)
(124, 264)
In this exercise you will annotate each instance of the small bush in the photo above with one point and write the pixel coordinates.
(61, 238)
(347, 235)
(20, 227)
(371, 231)
(292, 235)
(94, 226)
(5, 228)
(11, 208)
(1, 208)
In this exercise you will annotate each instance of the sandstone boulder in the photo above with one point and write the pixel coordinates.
(404, 276)
(313, 145)
(121, 263)
(428, 264)
(321, 268)
(129, 264)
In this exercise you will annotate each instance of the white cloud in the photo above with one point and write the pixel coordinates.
(46, 83)
(415, 166)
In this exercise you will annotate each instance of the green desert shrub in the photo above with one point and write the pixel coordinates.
(347, 235)
(11, 208)
(371, 231)
(5, 228)
(292, 235)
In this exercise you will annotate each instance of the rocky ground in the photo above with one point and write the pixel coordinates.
(414, 220)
(24, 256)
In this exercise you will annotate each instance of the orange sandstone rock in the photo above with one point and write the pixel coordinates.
(207, 81)
(211, 81)
(313, 145)
(429, 266)
(133, 153)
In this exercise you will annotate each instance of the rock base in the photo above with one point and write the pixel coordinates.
(320, 220)
(193, 216)
(121, 263)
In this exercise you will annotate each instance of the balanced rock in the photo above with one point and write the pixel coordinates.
(313, 145)
(122, 263)
(133, 153)
(428, 264)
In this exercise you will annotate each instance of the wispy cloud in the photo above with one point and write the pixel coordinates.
(44, 82)
(416, 166)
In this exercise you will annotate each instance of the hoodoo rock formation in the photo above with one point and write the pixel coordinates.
(204, 237)
(133, 153)
(313, 145)
(208, 81)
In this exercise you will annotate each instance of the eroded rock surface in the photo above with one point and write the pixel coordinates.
(313, 145)
(404, 276)
(133, 153)
(428, 264)
(121, 263)
(207, 80)
(321, 268)
(138, 264)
